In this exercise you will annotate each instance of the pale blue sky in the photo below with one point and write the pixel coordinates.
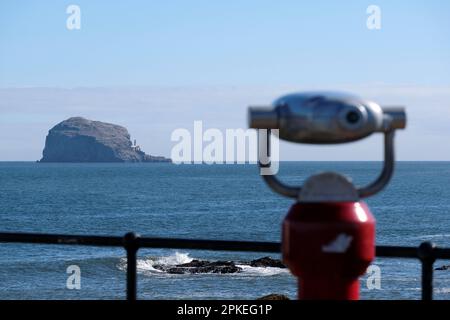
(223, 42)
(164, 63)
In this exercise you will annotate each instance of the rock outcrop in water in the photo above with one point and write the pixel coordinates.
(81, 140)
(267, 262)
(274, 296)
(444, 267)
(200, 266)
(203, 266)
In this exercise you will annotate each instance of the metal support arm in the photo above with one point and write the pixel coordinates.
(293, 192)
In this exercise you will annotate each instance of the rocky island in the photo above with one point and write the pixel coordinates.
(81, 140)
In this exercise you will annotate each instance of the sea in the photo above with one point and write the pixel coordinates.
(227, 202)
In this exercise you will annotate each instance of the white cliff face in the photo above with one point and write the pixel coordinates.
(81, 140)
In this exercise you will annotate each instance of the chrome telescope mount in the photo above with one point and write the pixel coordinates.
(327, 118)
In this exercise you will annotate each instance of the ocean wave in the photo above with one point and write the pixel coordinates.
(442, 290)
(146, 266)
(261, 271)
(432, 236)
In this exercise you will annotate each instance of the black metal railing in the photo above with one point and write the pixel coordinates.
(427, 252)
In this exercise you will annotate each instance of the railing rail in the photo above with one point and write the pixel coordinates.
(427, 252)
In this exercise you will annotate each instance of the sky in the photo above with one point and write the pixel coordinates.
(155, 66)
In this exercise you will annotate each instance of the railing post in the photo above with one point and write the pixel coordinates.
(131, 244)
(426, 253)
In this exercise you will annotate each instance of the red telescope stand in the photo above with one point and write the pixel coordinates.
(328, 246)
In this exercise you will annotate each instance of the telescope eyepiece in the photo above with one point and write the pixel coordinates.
(352, 117)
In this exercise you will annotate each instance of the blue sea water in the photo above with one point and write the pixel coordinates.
(197, 201)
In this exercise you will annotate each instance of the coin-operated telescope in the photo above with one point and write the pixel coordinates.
(328, 235)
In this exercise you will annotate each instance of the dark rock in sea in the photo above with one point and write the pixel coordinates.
(444, 267)
(81, 140)
(203, 266)
(274, 296)
(267, 262)
(200, 266)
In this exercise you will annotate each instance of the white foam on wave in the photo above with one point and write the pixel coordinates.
(147, 264)
(260, 271)
(442, 290)
(432, 236)
(174, 259)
